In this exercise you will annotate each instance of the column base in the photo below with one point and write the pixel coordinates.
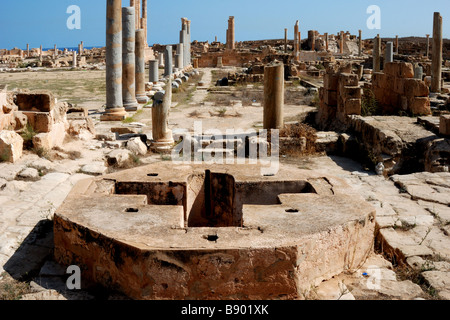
(162, 146)
(142, 99)
(114, 114)
(131, 106)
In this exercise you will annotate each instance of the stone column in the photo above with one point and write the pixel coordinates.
(326, 41)
(79, 49)
(40, 52)
(168, 67)
(273, 95)
(162, 135)
(418, 72)
(376, 54)
(389, 56)
(54, 52)
(299, 42)
(436, 64)
(341, 43)
(141, 96)
(28, 50)
(231, 35)
(188, 50)
(428, 46)
(74, 61)
(360, 43)
(195, 63)
(82, 48)
(144, 21)
(396, 45)
(138, 14)
(285, 40)
(179, 58)
(128, 60)
(114, 103)
(296, 40)
(153, 71)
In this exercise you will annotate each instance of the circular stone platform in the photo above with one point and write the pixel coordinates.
(168, 231)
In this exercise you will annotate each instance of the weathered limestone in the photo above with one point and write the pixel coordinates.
(428, 46)
(140, 67)
(144, 22)
(296, 41)
(341, 43)
(219, 63)
(273, 95)
(183, 45)
(153, 71)
(114, 103)
(436, 64)
(231, 42)
(418, 72)
(195, 63)
(168, 66)
(162, 135)
(389, 55)
(128, 60)
(377, 54)
(11, 146)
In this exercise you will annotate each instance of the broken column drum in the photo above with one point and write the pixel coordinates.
(141, 96)
(129, 59)
(114, 103)
(153, 71)
(273, 96)
(162, 135)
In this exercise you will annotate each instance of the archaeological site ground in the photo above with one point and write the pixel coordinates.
(310, 167)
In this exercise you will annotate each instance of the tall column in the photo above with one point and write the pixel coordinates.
(389, 56)
(285, 39)
(168, 66)
(183, 41)
(114, 103)
(428, 46)
(153, 71)
(40, 52)
(360, 43)
(299, 42)
(273, 95)
(28, 50)
(54, 52)
(128, 59)
(141, 96)
(138, 14)
(376, 54)
(341, 43)
(162, 135)
(179, 57)
(188, 51)
(82, 47)
(396, 44)
(79, 49)
(231, 35)
(144, 21)
(296, 40)
(436, 64)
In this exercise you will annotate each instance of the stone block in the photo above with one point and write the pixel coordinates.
(42, 141)
(347, 79)
(351, 93)
(399, 86)
(330, 81)
(352, 106)
(420, 106)
(415, 88)
(330, 98)
(444, 125)
(41, 101)
(11, 146)
(399, 69)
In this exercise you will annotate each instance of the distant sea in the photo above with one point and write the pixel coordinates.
(62, 49)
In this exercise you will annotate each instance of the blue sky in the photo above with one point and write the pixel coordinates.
(44, 21)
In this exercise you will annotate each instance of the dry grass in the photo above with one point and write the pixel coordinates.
(11, 289)
(294, 133)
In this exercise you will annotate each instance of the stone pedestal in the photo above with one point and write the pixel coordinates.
(140, 67)
(162, 135)
(128, 60)
(153, 71)
(114, 103)
(273, 95)
(436, 64)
